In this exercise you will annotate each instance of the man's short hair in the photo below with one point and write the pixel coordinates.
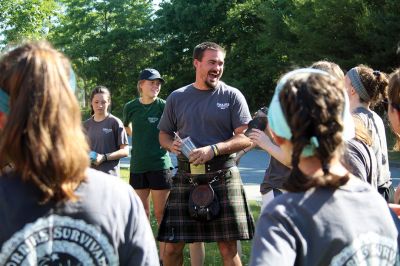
(202, 47)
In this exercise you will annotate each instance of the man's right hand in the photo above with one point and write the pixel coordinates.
(176, 146)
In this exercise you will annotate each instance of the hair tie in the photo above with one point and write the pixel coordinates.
(314, 141)
(377, 73)
(309, 150)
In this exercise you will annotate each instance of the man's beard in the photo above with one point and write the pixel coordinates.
(211, 85)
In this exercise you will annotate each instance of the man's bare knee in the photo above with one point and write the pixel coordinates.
(173, 249)
(173, 254)
(228, 249)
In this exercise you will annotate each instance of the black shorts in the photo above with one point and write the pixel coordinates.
(156, 180)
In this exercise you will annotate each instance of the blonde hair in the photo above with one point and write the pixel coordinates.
(43, 137)
(329, 67)
(139, 89)
(361, 131)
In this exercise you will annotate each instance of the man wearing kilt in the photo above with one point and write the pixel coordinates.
(214, 116)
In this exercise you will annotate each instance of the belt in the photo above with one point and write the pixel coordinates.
(209, 167)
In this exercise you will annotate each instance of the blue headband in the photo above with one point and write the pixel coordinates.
(4, 102)
(4, 98)
(279, 125)
(357, 84)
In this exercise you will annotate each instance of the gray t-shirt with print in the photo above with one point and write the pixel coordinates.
(207, 116)
(351, 225)
(105, 137)
(361, 161)
(373, 122)
(107, 225)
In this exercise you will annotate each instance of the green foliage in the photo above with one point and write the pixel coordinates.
(244, 62)
(108, 42)
(179, 26)
(26, 19)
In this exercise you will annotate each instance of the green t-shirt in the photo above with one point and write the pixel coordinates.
(147, 153)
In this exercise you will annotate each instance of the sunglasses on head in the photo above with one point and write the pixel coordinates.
(385, 103)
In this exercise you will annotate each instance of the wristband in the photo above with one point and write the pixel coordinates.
(105, 157)
(214, 149)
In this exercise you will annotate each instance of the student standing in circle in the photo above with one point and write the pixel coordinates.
(366, 88)
(325, 206)
(150, 169)
(54, 210)
(107, 136)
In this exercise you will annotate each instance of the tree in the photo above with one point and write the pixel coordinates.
(108, 42)
(26, 19)
(179, 26)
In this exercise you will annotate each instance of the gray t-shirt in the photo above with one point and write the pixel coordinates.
(107, 225)
(374, 124)
(275, 176)
(351, 225)
(105, 137)
(208, 117)
(361, 161)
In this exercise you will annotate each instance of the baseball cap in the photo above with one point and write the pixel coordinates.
(150, 74)
(258, 122)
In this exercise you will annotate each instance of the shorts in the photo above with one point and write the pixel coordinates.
(156, 180)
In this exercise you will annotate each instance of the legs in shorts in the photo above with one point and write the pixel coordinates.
(158, 184)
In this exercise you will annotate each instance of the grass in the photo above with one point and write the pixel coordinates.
(212, 253)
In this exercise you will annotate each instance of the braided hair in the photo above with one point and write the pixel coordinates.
(313, 107)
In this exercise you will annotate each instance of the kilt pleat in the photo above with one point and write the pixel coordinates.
(234, 222)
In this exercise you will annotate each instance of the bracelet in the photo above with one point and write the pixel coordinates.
(244, 151)
(214, 149)
(105, 157)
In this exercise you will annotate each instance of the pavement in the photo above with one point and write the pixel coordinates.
(252, 167)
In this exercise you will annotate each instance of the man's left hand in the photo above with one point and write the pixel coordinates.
(201, 155)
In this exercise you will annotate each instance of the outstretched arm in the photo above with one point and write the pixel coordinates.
(265, 143)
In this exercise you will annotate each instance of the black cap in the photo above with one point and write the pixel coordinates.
(258, 122)
(150, 74)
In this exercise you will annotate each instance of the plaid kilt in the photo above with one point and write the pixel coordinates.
(234, 222)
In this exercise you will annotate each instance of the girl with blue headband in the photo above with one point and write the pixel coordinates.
(325, 205)
(367, 88)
